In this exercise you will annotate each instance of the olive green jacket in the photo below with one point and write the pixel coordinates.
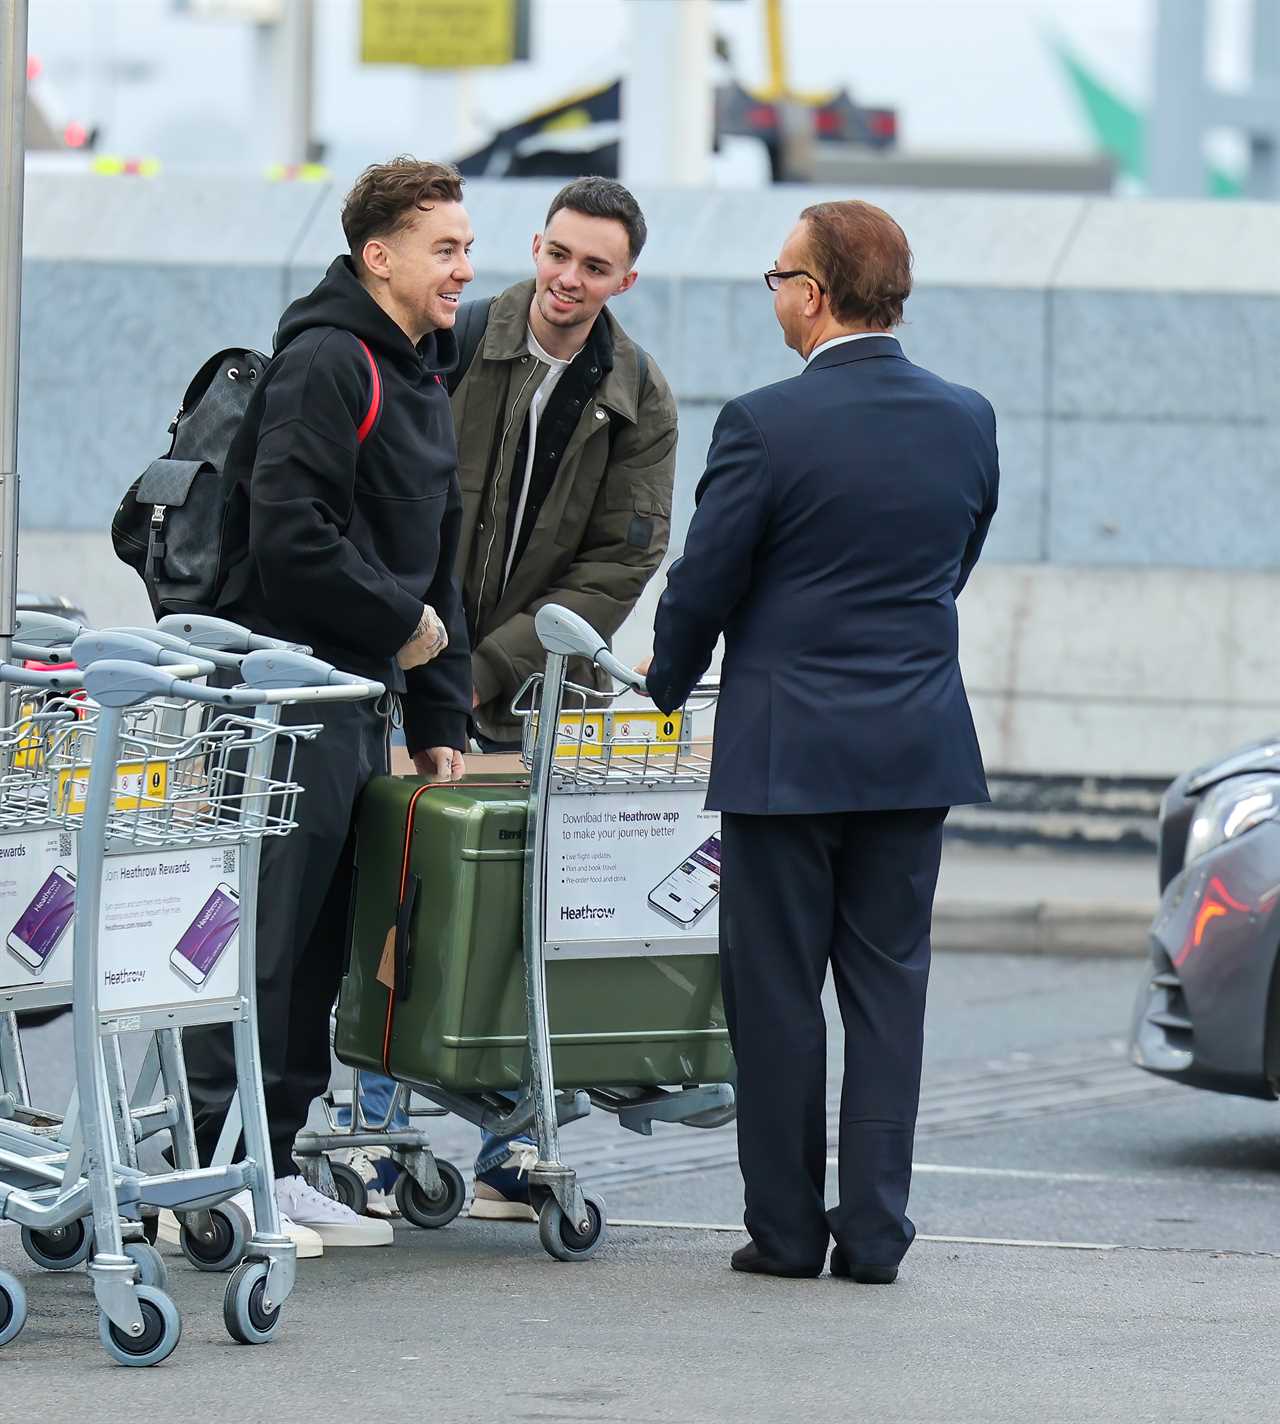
(603, 528)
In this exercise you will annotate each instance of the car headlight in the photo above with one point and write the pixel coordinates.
(1229, 810)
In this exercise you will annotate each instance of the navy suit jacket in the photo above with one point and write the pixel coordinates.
(840, 514)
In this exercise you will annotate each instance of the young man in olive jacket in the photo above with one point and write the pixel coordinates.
(566, 449)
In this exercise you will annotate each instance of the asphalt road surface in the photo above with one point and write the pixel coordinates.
(1095, 1245)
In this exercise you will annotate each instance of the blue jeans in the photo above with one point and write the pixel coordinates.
(375, 1098)
(494, 1150)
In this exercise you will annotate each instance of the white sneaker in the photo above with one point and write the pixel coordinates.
(307, 1243)
(368, 1164)
(333, 1223)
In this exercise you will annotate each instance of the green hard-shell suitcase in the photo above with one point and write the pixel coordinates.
(452, 943)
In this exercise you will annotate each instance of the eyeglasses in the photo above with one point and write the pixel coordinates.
(773, 279)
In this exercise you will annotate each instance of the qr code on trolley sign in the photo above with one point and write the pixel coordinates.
(65, 844)
(228, 862)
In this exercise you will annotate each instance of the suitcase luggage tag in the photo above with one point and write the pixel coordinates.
(393, 967)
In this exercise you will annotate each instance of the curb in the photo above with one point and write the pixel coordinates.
(1096, 930)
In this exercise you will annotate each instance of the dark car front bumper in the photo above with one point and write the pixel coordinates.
(1205, 1010)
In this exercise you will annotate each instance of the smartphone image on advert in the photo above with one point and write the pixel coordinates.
(207, 936)
(692, 887)
(43, 923)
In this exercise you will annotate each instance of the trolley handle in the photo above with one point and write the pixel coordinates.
(562, 631)
(71, 680)
(221, 635)
(174, 644)
(288, 676)
(41, 652)
(49, 630)
(123, 682)
(90, 648)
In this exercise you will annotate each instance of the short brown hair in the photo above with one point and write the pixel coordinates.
(386, 196)
(603, 198)
(863, 260)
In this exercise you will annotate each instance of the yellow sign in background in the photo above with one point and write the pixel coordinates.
(441, 34)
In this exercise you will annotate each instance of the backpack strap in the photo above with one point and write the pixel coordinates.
(365, 428)
(642, 370)
(468, 331)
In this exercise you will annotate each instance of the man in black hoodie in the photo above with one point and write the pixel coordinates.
(342, 518)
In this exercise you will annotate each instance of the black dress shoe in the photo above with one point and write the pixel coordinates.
(750, 1258)
(864, 1275)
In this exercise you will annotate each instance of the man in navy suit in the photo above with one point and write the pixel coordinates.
(840, 514)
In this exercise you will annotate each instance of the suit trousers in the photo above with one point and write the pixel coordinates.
(305, 887)
(853, 890)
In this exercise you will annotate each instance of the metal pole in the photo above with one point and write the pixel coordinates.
(285, 54)
(13, 107)
(1263, 179)
(302, 66)
(667, 101)
(1179, 116)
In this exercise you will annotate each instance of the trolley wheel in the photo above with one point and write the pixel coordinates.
(13, 1307)
(562, 1239)
(225, 1243)
(350, 1187)
(161, 1331)
(244, 1313)
(59, 1249)
(427, 1212)
(150, 1264)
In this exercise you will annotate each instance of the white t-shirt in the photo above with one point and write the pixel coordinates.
(556, 369)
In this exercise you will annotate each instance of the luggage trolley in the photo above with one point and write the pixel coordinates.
(618, 1005)
(213, 1239)
(41, 749)
(49, 637)
(42, 754)
(200, 800)
(42, 757)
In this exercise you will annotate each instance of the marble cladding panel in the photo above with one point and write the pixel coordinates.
(107, 351)
(1151, 493)
(1165, 355)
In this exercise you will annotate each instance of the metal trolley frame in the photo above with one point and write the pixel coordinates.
(571, 1223)
(226, 782)
(212, 1239)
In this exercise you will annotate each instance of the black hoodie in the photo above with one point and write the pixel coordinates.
(339, 544)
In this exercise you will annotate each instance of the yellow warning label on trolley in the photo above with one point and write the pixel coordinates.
(38, 732)
(138, 785)
(580, 729)
(29, 753)
(633, 733)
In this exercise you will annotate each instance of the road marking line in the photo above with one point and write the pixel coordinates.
(1100, 1178)
(1037, 1245)
(1021, 1173)
(740, 1230)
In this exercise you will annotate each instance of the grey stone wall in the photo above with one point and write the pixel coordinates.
(1131, 350)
